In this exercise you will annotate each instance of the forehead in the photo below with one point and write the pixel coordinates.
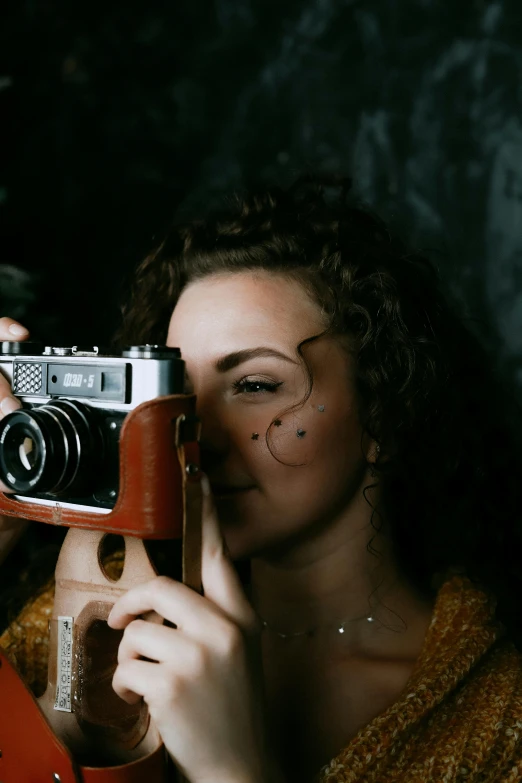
(233, 310)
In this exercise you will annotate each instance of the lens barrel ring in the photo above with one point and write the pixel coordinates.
(77, 435)
(64, 441)
(15, 428)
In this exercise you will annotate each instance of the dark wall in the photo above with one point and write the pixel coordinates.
(123, 115)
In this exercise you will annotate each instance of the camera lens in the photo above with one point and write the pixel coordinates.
(49, 448)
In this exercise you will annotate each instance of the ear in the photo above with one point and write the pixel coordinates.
(374, 452)
(371, 449)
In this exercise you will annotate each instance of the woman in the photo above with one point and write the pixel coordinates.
(362, 462)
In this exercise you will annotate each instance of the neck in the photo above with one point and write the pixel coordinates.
(332, 577)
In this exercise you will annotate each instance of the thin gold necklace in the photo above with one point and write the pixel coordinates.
(338, 628)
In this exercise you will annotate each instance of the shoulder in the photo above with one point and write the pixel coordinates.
(488, 707)
(460, 715)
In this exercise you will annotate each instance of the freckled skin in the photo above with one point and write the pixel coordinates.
(313, 464)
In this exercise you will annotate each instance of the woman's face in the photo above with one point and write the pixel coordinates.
(238, 334)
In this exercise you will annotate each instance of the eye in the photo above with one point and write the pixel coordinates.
(253, 386)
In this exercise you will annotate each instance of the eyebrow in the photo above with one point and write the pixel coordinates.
(231, 360)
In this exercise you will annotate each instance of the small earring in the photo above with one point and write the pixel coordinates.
(373, 472)
(320, 408)
(255, 435)
(300, 433)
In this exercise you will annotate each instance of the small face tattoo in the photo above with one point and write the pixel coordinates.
(277, 423)
(255, 436)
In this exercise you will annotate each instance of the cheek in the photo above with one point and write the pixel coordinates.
(307, 450)
(299, 480)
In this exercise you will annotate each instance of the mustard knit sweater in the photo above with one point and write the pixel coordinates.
(459, 719)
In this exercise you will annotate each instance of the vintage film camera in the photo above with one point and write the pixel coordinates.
(103, 444)
(63, 444)
(97, 435)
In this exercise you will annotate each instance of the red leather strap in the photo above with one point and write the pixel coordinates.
(31, 752)
(188, 456)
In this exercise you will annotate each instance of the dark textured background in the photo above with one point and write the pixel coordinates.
(120, 116)
(116, 117)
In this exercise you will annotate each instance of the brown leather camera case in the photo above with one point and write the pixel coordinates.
(160, 498)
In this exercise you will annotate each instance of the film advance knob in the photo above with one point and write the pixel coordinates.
(21, 349)
(150, 352)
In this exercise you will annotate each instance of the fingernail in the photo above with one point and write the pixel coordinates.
(205, 484)
(9, 404)
(18, 330)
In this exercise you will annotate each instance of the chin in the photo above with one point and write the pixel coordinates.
(246, 542)
(241, 540)
(240, 545)
(254, 529)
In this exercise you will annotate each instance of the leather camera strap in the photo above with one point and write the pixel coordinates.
(187, 437)
(31, 751)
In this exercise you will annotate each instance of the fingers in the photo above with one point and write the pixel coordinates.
(10, 331)
(7, 490)
(172, 600)
(155, 642)
(133, 680)
(8, 403)
(221, 582)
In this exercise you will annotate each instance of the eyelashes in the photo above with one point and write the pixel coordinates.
(255, 387)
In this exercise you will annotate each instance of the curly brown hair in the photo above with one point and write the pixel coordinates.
(448, 430)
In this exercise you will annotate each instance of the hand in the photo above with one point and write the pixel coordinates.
(202, 681)
(10, 331)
